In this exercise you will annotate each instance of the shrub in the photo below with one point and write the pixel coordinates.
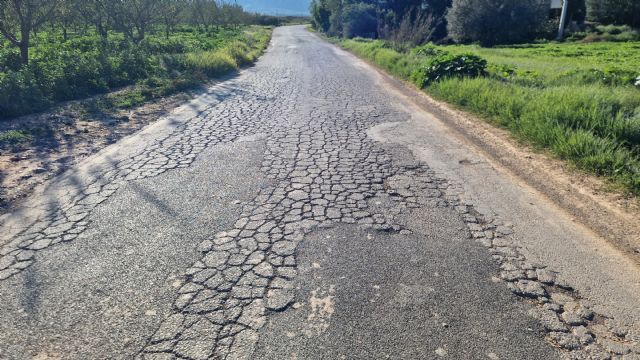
(320, 17)
(359, 20)
(13, 137)
(496, 22)
(620, 12)
(429, 50)
(20, 93)
(449, 65)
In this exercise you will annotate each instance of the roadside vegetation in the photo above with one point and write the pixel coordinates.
(58, 50)
(578, 99)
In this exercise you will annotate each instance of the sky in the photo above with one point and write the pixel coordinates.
(277, 7)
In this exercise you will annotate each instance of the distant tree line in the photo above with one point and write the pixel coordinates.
(411, 20)
(489, 22)
(21, 19)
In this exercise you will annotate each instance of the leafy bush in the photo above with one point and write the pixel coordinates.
(619, 12)
(428, 50)
(359, 19)
(496, 22)
(447, 66)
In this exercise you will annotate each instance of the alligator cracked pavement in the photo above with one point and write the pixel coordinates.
(299, 211)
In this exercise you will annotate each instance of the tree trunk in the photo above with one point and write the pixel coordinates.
(563, 19)
(101, 30)
(141, 34)
(24, 46)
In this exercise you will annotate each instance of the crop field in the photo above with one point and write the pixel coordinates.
(580, 101)
(85, 64)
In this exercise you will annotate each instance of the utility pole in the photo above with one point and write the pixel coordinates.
(563, 18)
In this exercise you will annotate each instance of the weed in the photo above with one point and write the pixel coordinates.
(14, 137)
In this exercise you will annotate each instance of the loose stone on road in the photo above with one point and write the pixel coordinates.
(264, 221)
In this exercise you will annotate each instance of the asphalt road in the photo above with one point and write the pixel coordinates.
(269, 220)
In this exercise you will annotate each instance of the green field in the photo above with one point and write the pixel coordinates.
(85, 64)
(580, 101)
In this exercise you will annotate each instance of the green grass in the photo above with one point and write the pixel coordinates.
(85, 65)
(13, 137)
(576, 100)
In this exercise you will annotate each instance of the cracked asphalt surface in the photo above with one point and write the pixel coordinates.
(269, 224)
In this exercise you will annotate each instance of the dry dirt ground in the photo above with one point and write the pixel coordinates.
(64, 137)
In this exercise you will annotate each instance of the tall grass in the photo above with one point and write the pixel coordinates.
(593, 124)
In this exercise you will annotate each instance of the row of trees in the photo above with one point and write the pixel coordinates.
(20, 19)
(487, 21)
(412, 20)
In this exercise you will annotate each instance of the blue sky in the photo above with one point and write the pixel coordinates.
(280, 7)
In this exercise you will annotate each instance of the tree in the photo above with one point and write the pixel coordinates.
(95, 13)
(171, 10)
(409, 21)
(19, 18)
(64, 15)
(492, 22)
(320, 15)
(619, 12)
(205, 13)
(135, 17)
(360, 20)
(414, 29)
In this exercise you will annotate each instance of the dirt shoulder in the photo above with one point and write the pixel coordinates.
(589, 200)
(60, 138)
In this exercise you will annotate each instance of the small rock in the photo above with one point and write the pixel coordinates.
(512, 275)
(441, 352)
(566, 341)
(584, 335)
(573, 319)
(532, 289)
(279, 299)
(545, 276)
(549, 320)
(561, 298)
(615, 347)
